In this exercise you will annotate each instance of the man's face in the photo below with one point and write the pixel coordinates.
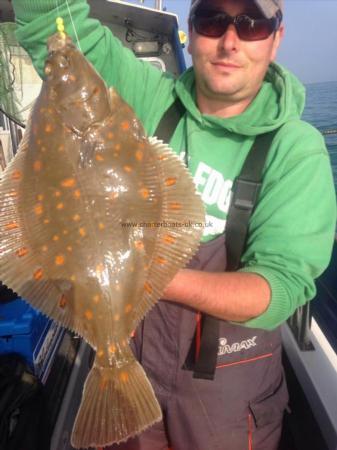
(228, 69)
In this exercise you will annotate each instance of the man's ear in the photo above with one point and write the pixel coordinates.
(277, 41)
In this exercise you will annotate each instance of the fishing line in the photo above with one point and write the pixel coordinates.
(74, 28)
(71, 20)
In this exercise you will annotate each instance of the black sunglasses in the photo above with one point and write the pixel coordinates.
(214, 24)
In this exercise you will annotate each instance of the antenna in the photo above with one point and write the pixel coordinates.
(158, 4)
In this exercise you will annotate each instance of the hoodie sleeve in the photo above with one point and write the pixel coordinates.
(144, 87)
(292, 230)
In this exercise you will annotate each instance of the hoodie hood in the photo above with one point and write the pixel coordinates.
(281, 98)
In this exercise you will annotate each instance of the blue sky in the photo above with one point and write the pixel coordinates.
(309, 48)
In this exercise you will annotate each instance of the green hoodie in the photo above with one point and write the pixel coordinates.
(291, 232)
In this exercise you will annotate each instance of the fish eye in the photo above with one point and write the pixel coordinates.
(48, 69)
(63, 61)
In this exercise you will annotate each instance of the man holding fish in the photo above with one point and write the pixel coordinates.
(233, 94)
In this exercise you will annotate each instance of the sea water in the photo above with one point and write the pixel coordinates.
(321, 111)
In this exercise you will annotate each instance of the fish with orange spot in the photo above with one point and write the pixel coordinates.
(101, 277)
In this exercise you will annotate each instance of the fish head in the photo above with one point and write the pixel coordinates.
(77, 91)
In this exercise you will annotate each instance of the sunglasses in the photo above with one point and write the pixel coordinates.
(214, 24)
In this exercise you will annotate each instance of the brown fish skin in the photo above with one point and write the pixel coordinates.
(85, 167)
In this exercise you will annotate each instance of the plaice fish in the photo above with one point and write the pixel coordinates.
(83, 172)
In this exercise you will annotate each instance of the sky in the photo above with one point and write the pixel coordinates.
(309, 48)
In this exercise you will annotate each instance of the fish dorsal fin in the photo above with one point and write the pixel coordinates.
(20, 266)
(25, 252)
(175, 245)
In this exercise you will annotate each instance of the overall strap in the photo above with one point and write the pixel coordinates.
(246, 189)
(169, 121)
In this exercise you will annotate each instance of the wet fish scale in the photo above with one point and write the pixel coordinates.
(85, 168)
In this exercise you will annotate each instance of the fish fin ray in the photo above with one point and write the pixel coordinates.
(174, 247)
(117, 403)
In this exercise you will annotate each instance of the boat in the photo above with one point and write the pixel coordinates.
(309, 337)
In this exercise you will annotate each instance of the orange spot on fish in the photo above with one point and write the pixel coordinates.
(40, 197)
(112, 348)
(168, 239)
(139, 155)
(103, 385)
(59, 260)
(38, 209)
(145, 193)
(38, 274)
(128, 308)
(176, 206)
(100, 353)
(65, 232)
(101, 226)
(77, 193)
(48, 128)
(124, 377)
(44, 248)
(139, 245)
(127, 168)
(99, 268)
(57, 194)
(170, 181)
(162, 158)
(82, 231)
(56, 237)
(160, 260)
(117, 317)
(76, 217)
(73, 278)
(11, 226)
(113, 195)
(46, 221)
(96, 298)
(61, 148)
(16, 175)
(110, 135)
(60, 206)
(63, 302)
(21, 252)
(148, 287)
(89, 314)
(72, 77)
(125, 125)
(99, 158)
(37, 166)
(69, 248)
(117, 147)
(68, 182)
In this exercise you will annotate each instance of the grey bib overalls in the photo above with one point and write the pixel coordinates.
(241, 409)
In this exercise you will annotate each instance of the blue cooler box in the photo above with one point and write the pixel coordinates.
(21, 329)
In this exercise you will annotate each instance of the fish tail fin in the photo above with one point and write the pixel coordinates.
(117, 404)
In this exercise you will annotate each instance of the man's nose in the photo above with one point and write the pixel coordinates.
(230, 39)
